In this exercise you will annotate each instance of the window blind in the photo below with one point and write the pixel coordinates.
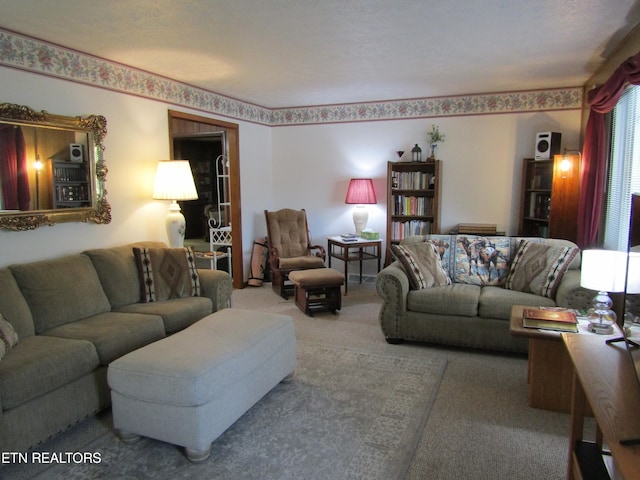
(624, 169)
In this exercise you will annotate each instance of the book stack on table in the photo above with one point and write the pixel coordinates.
(477, 228)
(559, 320)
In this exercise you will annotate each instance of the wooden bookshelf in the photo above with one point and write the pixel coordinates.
(413, 200)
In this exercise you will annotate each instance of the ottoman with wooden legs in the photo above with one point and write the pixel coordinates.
(187, 389)
(317, 288)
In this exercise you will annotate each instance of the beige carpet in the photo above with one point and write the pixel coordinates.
(480, 426)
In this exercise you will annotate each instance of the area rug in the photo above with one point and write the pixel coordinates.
(347, 414)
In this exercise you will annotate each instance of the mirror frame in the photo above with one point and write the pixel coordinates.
(96, 126)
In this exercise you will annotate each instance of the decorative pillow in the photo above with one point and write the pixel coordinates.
(167, 273)
(539, 268)
(481, 260)
(8, 337)
(422, 263)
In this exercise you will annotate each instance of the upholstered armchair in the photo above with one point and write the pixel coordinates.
(289, 247)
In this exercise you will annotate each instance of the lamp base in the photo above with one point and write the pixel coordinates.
(360, 218)
(601, 317)
(176, 226)
(601, 328)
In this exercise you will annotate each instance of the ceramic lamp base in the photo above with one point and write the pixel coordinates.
(360, 218)
(176, 226)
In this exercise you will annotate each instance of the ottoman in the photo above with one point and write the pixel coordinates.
(317, 288)
(187, 389)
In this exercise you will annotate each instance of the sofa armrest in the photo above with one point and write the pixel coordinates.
(218, 286)
(570, 294)
(392, 285)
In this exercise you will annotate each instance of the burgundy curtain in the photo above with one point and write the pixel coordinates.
(594, 155)
(14, 176)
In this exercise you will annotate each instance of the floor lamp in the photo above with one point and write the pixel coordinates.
(174, 181)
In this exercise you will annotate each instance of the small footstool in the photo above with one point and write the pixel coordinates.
(317, 288)
(187, 389)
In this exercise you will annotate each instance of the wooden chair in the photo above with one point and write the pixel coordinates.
(290, 248)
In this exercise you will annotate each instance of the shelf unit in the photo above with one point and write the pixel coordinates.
(71, 186)
(413, 200)
(549, 198)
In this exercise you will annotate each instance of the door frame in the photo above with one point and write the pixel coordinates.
(198, 125)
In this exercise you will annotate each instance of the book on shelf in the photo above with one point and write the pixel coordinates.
(550, 319)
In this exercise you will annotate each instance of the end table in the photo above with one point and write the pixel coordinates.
(358, 249)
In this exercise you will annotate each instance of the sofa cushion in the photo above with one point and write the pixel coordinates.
(13, 306)
(167, 273)
(442, 244)
(422, 265)
(8, 337)
(481, 260)
(40, 364)
(538, 268)
(113, 333)
(176, 314)
(61, 290)
(118, 271)
(457, 299)
(496, 302)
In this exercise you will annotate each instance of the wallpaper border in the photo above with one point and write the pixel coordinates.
(37, 56)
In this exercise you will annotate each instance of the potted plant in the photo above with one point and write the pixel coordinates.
(435, 137)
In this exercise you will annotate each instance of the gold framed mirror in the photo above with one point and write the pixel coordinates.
(52, 168)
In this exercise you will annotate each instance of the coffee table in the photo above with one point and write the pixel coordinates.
(550, 372)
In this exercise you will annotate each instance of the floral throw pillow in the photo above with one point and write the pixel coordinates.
(422, 264)
(8, 337)
(167, 273)
(538, 268)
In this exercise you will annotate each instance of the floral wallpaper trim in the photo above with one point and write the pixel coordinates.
(491, 103)
(41, 57)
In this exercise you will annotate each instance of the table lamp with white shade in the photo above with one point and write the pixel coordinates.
(605, 272)
(174, 181)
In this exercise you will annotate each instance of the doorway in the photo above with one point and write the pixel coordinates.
(202, 141)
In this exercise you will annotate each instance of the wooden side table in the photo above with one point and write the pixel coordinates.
(604, 379)
(358, 250)
(550, 373)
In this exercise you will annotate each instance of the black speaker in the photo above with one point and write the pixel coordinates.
(76, 152)
(547, 145)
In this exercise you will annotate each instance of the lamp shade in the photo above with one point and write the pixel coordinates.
(361, 192)
(603, 270)
(174, 181)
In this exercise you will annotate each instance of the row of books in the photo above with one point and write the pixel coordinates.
(556, 319)
(412, 180)
(72, 193)
(69, 174)
(400, 230)
(407, 205)
(540, 205)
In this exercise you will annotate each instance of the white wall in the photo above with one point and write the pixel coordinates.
(137, 138)
(482, 161)
(297, 166)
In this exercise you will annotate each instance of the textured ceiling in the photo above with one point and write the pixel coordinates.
(282, 53)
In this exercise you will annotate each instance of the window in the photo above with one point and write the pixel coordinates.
(624, 170)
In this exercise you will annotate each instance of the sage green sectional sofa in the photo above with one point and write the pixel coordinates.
(73, 316)
(471, 304)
